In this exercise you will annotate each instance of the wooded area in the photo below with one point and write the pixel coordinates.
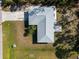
(42, 2)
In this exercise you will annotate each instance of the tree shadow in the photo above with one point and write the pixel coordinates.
(13, 7)
(62, 53)
(34, 37)
(76, 45)
(77, 13)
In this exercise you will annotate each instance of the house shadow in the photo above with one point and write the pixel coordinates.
(26, 30)
(34, 37)
(26, 24)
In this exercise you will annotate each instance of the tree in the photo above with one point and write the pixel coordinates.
(6, 3)
(62, 53)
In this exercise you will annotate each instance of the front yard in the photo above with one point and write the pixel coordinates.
(25, 49)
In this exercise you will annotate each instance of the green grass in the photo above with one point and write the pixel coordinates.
(8, 40)
(34, 54)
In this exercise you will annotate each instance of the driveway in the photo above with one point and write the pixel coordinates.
(12, 16)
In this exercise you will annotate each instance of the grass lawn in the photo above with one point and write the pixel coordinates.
(8, 40)
(25, 49)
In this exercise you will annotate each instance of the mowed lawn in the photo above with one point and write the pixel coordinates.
(8, 40)
(25, 49)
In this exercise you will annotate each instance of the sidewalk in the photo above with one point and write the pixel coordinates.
(1, 41)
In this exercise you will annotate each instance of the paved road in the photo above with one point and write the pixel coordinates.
(0, 41)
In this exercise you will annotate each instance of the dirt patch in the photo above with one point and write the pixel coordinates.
(25, 49)
(26, 41)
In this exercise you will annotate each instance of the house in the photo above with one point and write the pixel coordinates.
(44, 18)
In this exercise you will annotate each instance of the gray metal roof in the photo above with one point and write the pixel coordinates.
(44, 18)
